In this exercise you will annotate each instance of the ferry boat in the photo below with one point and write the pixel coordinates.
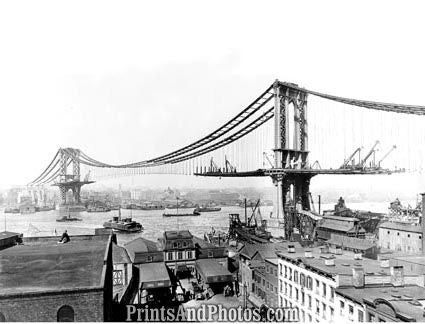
(126, 225)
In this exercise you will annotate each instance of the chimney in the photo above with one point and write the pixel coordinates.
(358, 277)
(338, 250)
(291, 248)
(330, 262)
(385, 263)
(423, 223)
(308, 254)
(397, 276)
(357, 256)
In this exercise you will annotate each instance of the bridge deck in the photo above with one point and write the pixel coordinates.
(279, 171)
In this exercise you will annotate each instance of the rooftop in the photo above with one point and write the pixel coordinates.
(41, 264)
(336, 225)
(343, 263)
(6, 234)
(172, 235)
(350, 242)
(406, 227)
(406, 301)
(141, 245)
(266, 251)
(119, 254)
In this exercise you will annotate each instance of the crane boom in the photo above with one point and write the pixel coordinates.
(386, 154)
(347, 161)
(363, 162)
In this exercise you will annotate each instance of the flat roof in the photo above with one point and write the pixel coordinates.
(43, 265)
(212, 271)
(184, 234)
(336, 225)
(153, 275)
(344, 263)
(406, 227)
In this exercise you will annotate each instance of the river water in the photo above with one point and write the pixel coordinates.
(45, 224)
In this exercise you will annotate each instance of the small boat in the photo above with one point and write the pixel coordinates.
(126, 225)
(12, 210)
(68, 219)
(98, 209)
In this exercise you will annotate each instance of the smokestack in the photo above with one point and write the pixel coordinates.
(423, 223)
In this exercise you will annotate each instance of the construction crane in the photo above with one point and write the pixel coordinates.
(213, 166)
(372, 150)
(351, 157)
(228, 167)
(386, 155)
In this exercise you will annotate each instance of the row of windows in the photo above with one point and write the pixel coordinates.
(307, 282)
(360, 314)
(178, 245)
(324, 314)
(180, 255)
(408, 235)
(264, 283)
(272, 270)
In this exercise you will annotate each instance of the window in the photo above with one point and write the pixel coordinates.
(268, 285)
(150, 258)
(332, 294)
(341, 307)
(371, 318)
(189, 254)
(175, 245)
(65, 314)
(309, 302)
(286, 272)
(275, 272)
(324, 310)
(290, 274)
(398, 233)
(184, 244)
(179, 245)
(264, 283)
(296, 294)
(267, 269)
(323, 289)
(210, 254)
(2, 317)
(317, 286)
(280, 269)
(408, 235)
(360, 313)
(317, 307)
(331, 311)
(290, 291)
(381, 320)
(388, 232)
(296, 276)
(420, 237)
(117, 277)
(286, 288)
(280, 301)
(310, 319)
(170, 256)
(302, 298)
(179, 255)
(302, 280)
(350, 310)
(280, 285)
(271, 287)
(309, 283)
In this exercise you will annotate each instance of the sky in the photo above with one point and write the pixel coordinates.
(128, 80)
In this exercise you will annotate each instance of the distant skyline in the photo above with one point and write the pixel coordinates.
(119, 83)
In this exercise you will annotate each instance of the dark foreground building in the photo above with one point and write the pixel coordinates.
(44, 281)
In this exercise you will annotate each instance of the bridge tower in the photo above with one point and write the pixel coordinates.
(290, 152)
(70, 181)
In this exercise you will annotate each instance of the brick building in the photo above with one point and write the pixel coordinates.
(45, 281)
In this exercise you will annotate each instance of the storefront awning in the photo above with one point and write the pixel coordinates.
(153, 275)
(213, 272)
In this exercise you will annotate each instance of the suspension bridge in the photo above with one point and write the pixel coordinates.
(272, 137)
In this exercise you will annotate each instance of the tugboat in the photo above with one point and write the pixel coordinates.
(68, 218)
(207, 208)
(125, 225)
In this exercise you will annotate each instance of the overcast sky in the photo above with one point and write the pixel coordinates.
(128, 80)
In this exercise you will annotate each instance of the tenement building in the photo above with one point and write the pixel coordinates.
(44, 281)
(309, 278)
